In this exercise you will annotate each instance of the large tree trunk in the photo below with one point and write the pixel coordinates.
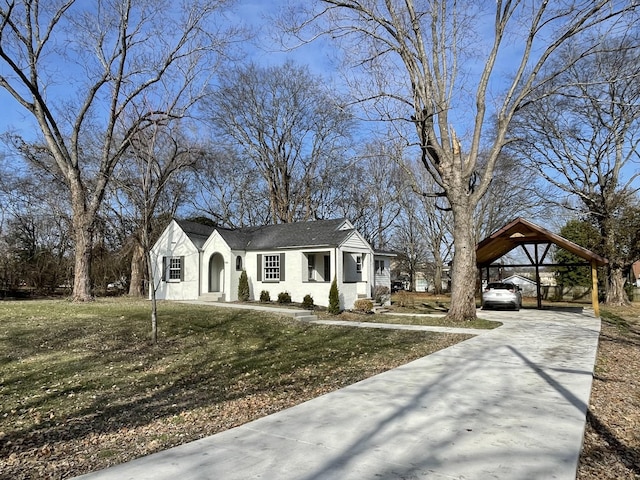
(616, 294)
(463, 273)
(437, 278)
(437, 272)
(83, 236)
(412, 279)
(136, 288)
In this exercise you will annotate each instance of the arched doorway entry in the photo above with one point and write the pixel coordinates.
(216, 273)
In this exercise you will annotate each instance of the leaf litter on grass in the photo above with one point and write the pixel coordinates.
(83, 389)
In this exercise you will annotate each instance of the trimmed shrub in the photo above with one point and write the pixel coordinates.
(334, 298)
(264, 296)
(307, 302)
(243, 287)
(363, 305)
(284, 297)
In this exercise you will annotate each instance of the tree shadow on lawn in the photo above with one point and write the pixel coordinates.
(237, 360)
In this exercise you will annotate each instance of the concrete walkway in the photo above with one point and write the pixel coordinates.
(509, 403)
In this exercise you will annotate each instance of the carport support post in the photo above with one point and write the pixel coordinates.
(538, 291)
(594, 289)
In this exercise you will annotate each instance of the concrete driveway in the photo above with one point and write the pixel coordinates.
(509, 403)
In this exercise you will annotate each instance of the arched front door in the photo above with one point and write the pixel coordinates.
(216, 273)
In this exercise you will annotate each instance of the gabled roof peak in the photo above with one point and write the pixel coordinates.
(522, 232)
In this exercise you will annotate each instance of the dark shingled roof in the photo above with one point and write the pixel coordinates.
(269, 237)
(197, 232)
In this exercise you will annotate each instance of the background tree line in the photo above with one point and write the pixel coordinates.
(161, 117)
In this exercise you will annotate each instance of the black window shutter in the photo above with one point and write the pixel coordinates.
(182, 269)
(164, 269)
(327, 268)
(282, 267)
(259, 273)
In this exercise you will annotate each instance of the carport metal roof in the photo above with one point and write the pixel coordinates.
(520, 233)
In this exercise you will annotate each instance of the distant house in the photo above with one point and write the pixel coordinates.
(527, 286)
(634, 274)
(196, 261)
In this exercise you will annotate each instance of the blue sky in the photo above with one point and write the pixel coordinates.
(252, 13)
(265, 49)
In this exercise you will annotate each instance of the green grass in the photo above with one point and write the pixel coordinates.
(69, 371)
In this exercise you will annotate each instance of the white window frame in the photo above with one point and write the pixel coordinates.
(174, 269)
(271, 268)
(358, 263)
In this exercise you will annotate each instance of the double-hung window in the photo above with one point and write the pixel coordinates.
(272, 267)
(173, 269)
(359, 264)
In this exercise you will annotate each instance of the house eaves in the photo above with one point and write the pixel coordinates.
(298, 247)
(314, 234)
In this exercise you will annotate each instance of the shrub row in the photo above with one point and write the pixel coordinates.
(285, 297)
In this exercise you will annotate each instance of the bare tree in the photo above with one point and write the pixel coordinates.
(427, 220)
(372, 190)
(289, 125)
(228, 189)
(581, 136)
(156, 159)
(79, 68)
(151, 182)
(439, 65)
(35, 232)
(410, 243)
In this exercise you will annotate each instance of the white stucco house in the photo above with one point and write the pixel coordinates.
(195, 261)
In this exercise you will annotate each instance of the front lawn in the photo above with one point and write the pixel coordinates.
(82, 388)
(408, 317)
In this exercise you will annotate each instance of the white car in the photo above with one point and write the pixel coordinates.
(501, 294)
